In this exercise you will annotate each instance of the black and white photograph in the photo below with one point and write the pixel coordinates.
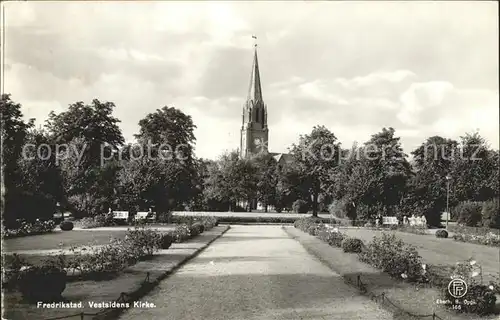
(250, 160)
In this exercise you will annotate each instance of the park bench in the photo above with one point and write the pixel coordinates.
(145, 216)
(120, 215)
(390, 221)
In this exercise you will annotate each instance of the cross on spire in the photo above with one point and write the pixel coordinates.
(255, 90)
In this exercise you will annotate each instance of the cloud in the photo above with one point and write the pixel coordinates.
(422, 68)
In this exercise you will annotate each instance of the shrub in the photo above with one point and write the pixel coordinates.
(22, 228)
(300, 206)
(332, 237)
(181, 233)
(393, 256)
(12, 265)
(98, 262)
(305, 223)
(144, 241)
(352, 245)
(101, 261)
(489, 239)
(238, 208)
(89, 223)
(469, 213)
(193, 231)
(66, 226)
(483, 295)
(199, 227)
(412, 229)
(491, 214)
(315, 229)
(100, 220)
(166, 240)
(165, 217)
(42, 283)
(208, 222)
(337, 209)
(442, 234)
(105, 220)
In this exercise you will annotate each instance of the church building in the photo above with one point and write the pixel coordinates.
(254, 129)
(254, 136)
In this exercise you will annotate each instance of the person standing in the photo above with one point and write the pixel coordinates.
(424, 221)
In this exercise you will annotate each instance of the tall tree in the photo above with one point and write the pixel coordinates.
(13, 136)
(232, 180)
(87, 136)
(314, 156)
(171, 130)
(433, 161)
(40, 182)
(93, 123)
(473, 167)
(381, 174)
(267, 179)
(167, 140)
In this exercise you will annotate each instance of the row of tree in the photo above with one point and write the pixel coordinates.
(75, 170)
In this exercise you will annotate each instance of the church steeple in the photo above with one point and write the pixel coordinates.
(254, 130)
(255, 89)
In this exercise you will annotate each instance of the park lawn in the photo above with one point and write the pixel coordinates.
(34, 259)
(55, 239)
(129, 281)
(415, 298)
(443, 252)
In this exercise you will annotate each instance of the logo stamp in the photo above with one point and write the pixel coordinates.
(457, 288)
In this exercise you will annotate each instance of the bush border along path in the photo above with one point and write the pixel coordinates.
(152, 271)
(406, 297)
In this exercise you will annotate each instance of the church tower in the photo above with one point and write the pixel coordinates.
(254, 130)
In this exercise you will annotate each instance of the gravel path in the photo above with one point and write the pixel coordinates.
(255, 272)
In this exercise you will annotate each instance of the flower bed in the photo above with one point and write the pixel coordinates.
(100, 220)
(490, 239)
(403, 262)
(413, 229)
(30, 229)
(100, 262)
(477, 231)
(482, 296)
(394, 257)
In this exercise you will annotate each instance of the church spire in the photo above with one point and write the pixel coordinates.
(255, 89)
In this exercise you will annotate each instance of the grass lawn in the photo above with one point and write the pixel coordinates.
(34, 259)
(67, 238)
(438, 251)
(106, 291)
(417, 299)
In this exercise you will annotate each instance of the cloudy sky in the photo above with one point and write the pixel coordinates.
(424, 68)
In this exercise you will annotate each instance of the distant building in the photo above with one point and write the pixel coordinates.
(254, 129)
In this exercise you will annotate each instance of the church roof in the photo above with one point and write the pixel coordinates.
(282, 157)
(255, 89)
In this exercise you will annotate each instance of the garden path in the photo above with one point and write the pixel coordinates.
(256, 272)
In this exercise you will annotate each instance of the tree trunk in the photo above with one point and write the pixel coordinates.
(315, 204)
